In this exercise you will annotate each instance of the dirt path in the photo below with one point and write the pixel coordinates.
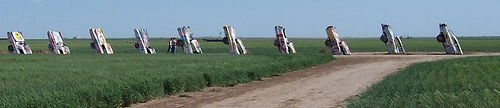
(328, 85)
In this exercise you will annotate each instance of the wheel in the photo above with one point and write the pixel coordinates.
(225, 40)
(10, 48)
(328, 43)
(440, 38)
(383, 38)
(136, 45)
(92, 45)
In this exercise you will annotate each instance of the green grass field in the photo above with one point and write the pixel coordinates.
(85, 79)
(467, 82)
(425, 45)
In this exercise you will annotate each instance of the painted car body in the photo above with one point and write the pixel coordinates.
(338, 46)
(56, 43)
(393, 43)
(143, 44)
(99, 44)
(18, 44)
(188, 42)
(285, 46)
(449, 40)
(235, 45)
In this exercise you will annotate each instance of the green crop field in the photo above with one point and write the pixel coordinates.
(466, 82)
(85, 79)
(425, 45)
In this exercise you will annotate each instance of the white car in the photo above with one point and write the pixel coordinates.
(18, 44)
(338, 46)
(234, 43)
(285, 46)
(142, 45)
(393, 43)
(56, 43)
(99, 44)
(188, 42)
(449, 40)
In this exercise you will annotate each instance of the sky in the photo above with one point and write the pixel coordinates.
(251, 18)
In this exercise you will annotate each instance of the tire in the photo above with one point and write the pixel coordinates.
(10, 48)
(383, 38)
(440, 38)
(92, 45)
(225, 40)
(136, 45)
(328, 43)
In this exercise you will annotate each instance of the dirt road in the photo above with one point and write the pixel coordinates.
(328, 85)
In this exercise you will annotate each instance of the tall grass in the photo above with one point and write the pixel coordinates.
(85, 79)
(465, 82)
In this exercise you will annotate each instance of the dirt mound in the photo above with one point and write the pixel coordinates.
(323, 51)
(4, 52)
(42, 52)
(249, 52)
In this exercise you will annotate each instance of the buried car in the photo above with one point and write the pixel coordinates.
(393, 43)
(142, 45)
(338, 46)
(187, 41)
(449, 40)
(99, 44)
(233, 43)
(284, 45)
(18, 44)
(56, 43)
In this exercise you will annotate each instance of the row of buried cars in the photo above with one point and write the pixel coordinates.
(19, 45)
(101, 46)
(190, 45)
(394, 44)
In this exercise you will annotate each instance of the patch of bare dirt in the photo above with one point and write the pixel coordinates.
(4, 52)
(42, 52)
(323, 51)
